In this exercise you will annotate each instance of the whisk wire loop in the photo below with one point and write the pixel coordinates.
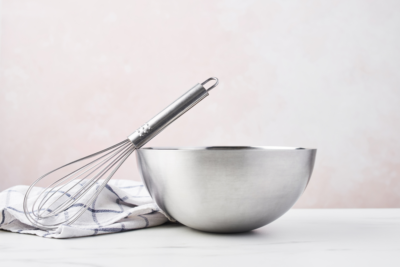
(101, 187)
(76, 197)
(40, 211)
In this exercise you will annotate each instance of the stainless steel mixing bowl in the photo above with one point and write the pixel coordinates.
(225, 189)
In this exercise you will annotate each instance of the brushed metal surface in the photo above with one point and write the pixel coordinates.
(225, 189)
(159, 122)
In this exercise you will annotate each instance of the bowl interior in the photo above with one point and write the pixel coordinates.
(229, 148)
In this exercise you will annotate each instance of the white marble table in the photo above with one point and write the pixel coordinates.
(300, 238)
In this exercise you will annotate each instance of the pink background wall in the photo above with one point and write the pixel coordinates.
(78, 76)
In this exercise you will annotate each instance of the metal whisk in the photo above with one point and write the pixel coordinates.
(74, 192)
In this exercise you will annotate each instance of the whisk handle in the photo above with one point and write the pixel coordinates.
(154, 126)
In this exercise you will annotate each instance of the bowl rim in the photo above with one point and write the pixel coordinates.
(226, 148)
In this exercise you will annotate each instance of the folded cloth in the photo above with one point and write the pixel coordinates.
(122, 205)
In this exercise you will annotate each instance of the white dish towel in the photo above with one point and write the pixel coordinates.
(122, 205)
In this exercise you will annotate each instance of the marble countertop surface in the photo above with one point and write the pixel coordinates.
(351, 237)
